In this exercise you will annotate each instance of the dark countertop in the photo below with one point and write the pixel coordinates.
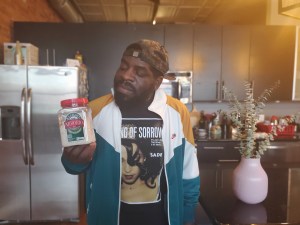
(282, 205)
(295, 137)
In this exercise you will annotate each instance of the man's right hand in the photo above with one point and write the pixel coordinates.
(80, 153)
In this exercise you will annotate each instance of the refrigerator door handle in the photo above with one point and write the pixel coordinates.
(28, 127)
(22, 120)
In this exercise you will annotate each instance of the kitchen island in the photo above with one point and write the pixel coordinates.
(217, 160)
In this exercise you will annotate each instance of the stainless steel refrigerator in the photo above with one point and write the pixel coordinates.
(33, 183)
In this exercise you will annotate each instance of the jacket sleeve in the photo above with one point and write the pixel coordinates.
(73, 168)
(191, 178)
(191, 183)
(191, 195)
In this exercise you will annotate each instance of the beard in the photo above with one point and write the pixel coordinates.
(136, 100)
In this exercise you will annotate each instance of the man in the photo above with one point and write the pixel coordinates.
(139, 112)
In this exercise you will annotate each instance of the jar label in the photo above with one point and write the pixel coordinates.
(74, 125)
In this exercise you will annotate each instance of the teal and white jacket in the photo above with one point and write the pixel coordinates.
(103, 173)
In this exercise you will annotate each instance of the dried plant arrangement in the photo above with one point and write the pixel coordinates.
(244, 116)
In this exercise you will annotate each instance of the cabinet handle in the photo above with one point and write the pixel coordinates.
(24, 147)
(216, 148)
(217, 178)
(276, 147)
(222, 92)
(217, 89)
(228, 160)
(252, 84)
(222, 179)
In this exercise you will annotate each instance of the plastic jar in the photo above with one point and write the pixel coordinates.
(215, 130)
(75, 122)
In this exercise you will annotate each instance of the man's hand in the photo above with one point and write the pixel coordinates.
(80, 153)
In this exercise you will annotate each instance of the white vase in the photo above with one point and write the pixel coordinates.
(250, 181)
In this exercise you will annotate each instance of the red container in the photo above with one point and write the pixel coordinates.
(288, 130)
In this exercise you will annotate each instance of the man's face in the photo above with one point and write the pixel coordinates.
(134, 82)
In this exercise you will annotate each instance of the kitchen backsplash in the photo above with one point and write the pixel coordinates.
(271, 108)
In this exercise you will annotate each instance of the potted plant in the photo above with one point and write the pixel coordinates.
(250, 182)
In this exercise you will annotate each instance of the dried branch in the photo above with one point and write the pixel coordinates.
(244, 116)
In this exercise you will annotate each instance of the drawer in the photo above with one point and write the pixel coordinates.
(228, 151)
(218, 151)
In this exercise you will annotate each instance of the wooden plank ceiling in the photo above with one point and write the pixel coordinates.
(173, 11)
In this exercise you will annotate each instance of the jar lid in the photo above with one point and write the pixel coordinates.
(74, 102)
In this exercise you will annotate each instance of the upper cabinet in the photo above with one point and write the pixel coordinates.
(207, 63)
(272, 58)
(235, 59)
(179, 44)
(230, 55)
(218, 55)
(221, 58)
(102, 45)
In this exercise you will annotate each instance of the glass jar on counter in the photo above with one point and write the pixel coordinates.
(215, 129)
(75, 122)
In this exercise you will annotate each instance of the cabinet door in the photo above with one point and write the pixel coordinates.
(272, 58)
(207, 62)
(179, 44)
(282, 152)
(217, 181)
(293, 190)
(235, 59)
(278, 179)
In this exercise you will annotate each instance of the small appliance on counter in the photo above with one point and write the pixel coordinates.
(180, 87)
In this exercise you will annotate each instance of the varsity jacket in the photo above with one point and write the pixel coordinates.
(103, 173)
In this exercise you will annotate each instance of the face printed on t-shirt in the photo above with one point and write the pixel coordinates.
(142, 159)
(132, 159)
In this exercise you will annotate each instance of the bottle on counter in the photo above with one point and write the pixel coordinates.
(226, 126)
(215, 129)
(79, 57)
(202, 126)
(19, 59)
(75, 122)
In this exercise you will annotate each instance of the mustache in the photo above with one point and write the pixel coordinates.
(125, 84)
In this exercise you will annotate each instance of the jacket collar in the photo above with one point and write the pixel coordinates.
(158, 104)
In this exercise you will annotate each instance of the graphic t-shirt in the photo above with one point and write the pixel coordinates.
(142, 171)
(142, 160)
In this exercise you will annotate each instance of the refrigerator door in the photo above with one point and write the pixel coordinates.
(14, 168)
(54, 192)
